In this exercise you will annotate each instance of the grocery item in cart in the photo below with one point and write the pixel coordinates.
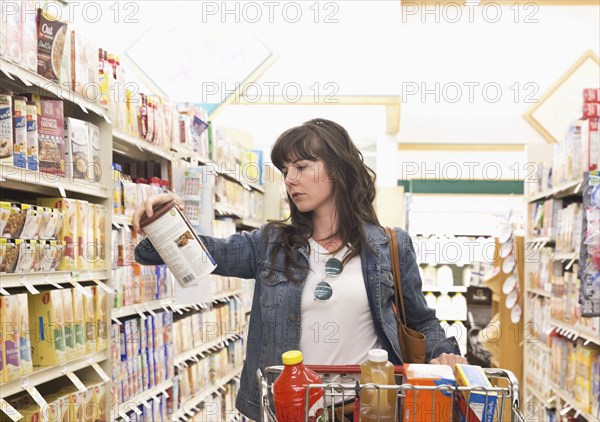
(418, 404)
(289, 391)
(377, 405)
(482, 405)
(178, 245)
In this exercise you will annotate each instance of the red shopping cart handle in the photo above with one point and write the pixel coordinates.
(346, 369)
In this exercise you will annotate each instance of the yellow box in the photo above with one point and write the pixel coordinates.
(25, 342)
(90, 409)
(46, 315)
(83, 239)
(9, 316)
(89, 315)
(78, 322)
(101, 310)
(69, 325)
(100, 401)
(75, 410)
(99, 245)
(68, 233)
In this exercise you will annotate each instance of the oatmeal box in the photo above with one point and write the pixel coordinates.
(51, 137)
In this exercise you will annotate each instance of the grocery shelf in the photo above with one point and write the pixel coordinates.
(30, 78)
(247, 222)
(221, 296)
(125, 144)
(564, 189)
(539, 292)
(203, 395)
(578, 332)
(539, 239)
(228, 211)
(42, 374)
(138, 308)
(121, 219)
(571, 402)
(145, 396)
(48, 184)
(182, 357)
(40, 279)
(537, 393)
(453, 289)
(566, 256)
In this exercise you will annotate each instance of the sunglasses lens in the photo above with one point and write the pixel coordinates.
(323, 291)
(333, 267)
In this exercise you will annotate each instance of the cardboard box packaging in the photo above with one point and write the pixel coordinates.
(88, 405)
(26, 362)
(69, 231)
(51, 135)
(99, 241)
(52, 35)
(78, 161)
(69, 326)
(9, 315)
(78, 322)
(101, 310)
(84, 66)
(89, 312)
(76, 406)
(46, 316)
(83, 235)
(95, 163)
(482, 406)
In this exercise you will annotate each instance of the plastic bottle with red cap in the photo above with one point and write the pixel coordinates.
(289, 391)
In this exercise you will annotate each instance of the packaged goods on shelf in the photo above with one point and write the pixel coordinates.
(19, 110)
(538, 364)
(89, 318)
(79, 322)
(68, 233)
(52, 34)
(46, 314)
(19, 34)
(10, 337)
(69, 324)
(84, 66)
(51, 136)
(33, 158)
(6, 125)
(590, 251)
(222, 285)
(65, 78)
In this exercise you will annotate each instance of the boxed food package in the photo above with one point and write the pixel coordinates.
(96, 164)
(52, 34)
(89, 314)
(10, 255)
(83, 235)
(5, 212)
(482, 405)
(100, 401)
(33, 220)
(99, 247)
(19, 131)
(101, 310)
(77, 149)
(6, 126)
(418, 403)
(75, 412)
(84, 66)
(590, 148)
(591, 95)
(15, 221)
(69, 325)
(10, 30)
(79, 322)
(28, 36)
(89, 408)
(33, 158)
(28, 252)
(46, 316)
(10, 333)
(65, 76)
(68, 233)
(51, 135)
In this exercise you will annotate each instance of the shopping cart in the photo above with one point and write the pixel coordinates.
(344, 386)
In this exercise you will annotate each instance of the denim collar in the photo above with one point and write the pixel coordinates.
(373, 233)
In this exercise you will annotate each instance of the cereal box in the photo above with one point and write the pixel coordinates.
(101, 316)
(75, 409)
(32, 137)
(46, 316)
(84, 67)
(482, 406)
(77, 149)
(9, 315)
(68, 233)
(100, 401)
(25, 342)
(89, 407)
(96, 164)
(99, 247)
(52, 35)
(89, 305)
(83, 235)
(69, 324)
(51, 135)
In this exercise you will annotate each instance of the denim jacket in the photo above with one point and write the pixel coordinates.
(275, 315)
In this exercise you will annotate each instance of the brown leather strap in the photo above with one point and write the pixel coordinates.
(395, 258)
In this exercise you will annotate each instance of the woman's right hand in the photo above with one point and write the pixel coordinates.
(147, 208)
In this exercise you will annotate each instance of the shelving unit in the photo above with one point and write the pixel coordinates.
(143, 398)
(141, 308)
(50, 278)
(199, 351)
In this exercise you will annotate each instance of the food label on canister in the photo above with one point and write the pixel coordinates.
(179, 246)
(6, 126)
(20, 127)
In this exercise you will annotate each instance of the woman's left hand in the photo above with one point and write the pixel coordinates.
(448, 359)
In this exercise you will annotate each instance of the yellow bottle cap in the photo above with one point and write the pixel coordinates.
(291, 357)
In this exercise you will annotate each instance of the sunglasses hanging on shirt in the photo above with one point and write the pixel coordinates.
(323, 290)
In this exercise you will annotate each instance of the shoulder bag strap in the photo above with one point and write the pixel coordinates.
(395, 258)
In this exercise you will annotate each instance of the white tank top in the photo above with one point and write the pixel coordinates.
(339, 331)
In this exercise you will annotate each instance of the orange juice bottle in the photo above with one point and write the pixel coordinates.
(377, 404)
(289, 390)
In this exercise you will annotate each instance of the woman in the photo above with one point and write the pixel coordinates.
(323, 282)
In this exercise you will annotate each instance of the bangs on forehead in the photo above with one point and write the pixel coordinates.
(295, 145)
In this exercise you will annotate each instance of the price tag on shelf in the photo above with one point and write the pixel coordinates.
(10, 411)
(117, 320)
(99, 370)
(4, 292)
(137, 410)
(29, 286)
(53, 283)
(104, 287)
(124, 416)
(8, 75)
(150, 311)
(189, 413)
(83, 108)
(61, 189)
(126, 228)
(156, 399)
(35, 394)
(74, 379)
(25, 81)
(2, 179)
(117, 225)
(106, 118)
(164, 393)
(139, 147)
(146, 404)
(80, 288)
(140, 313)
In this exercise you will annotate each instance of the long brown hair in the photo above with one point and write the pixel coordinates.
(353, 189)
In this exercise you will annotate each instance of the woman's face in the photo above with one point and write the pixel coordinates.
(309, 185)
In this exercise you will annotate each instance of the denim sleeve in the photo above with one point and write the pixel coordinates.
(419, 316)
(235, 256)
